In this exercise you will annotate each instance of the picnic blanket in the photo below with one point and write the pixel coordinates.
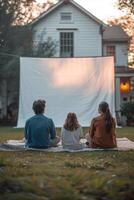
(123, 144)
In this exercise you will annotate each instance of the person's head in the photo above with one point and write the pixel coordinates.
(104, 109)
(39, 106)
(71, 122)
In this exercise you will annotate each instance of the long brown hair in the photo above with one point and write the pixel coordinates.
(104, 107)
(71, 122)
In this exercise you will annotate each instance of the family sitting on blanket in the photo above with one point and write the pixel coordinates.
(40, 130)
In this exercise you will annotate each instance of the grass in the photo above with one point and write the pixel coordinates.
(66, 176)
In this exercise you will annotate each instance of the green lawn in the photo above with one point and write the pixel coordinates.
(107, 175)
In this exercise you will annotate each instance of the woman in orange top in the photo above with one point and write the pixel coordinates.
(102, 131)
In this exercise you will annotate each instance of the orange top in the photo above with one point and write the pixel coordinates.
(99, 136)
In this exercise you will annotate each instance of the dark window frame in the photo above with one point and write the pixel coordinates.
(111, 51)
(66, 17)
(66, 44)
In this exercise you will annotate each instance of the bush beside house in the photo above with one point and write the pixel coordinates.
(127, 110)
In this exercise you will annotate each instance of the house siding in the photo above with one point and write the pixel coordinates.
(121, 53)
(87, 37)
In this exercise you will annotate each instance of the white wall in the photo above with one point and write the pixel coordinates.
(87, 39)
(121, 53)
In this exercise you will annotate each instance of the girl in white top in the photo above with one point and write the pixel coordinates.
(71, 133)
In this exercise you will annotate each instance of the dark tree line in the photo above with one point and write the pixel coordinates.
(127, 23)
(15, 41)
(16, 33)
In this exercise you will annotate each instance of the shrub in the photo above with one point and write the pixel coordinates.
(127, 109)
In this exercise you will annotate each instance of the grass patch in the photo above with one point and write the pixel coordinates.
(34, 175)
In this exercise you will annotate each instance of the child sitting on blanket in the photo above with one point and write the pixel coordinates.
(102, 130)
(71, 132)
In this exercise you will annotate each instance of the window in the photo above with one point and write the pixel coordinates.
(110, 51)
(66, 17)
(66, 44)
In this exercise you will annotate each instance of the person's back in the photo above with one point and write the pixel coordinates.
(102, 130)
(100, 136)
(39, 130)
(71, 138)
(71, 133)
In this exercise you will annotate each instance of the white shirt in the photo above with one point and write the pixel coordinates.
(71, 139)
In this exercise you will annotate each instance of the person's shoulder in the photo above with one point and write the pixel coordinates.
(30, 119)
(49, 120)
(96, 118)
(63, 129)
(79, 128)
(41, 116)
(114, 120)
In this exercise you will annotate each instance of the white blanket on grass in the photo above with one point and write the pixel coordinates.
(123, 144)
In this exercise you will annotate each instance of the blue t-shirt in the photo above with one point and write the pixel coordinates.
(38, 131)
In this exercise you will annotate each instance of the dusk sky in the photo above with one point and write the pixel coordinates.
(103, 9)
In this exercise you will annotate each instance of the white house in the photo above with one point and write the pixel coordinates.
(81, 34)
(115, 42)
(78, 33)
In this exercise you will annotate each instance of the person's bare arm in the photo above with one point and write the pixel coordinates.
(91, 131)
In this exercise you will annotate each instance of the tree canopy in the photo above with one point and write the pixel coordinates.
(127, 23)
(16, 41)
(127, 5)
(20, 12)
(15, 34)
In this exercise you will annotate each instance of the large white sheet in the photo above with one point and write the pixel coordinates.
(68, 85)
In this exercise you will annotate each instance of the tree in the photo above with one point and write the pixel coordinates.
(16, 12)
(127, 23)
(21, 11)
(127, 109)
(18, 42)
(15, 34)
(45, 48)
(127, 5)
(15, 38)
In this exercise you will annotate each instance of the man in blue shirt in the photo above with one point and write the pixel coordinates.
(39, 130)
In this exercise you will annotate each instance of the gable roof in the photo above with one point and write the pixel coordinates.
(115, 33)
(64, 2)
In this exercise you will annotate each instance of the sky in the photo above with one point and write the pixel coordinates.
(102, 9)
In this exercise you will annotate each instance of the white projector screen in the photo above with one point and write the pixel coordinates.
(68, 85)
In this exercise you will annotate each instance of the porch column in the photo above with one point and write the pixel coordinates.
(117, 94)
